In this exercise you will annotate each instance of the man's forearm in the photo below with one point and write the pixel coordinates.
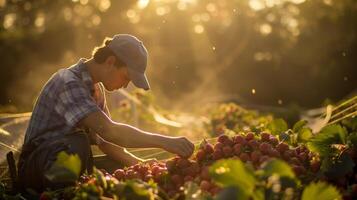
(119, 154)
(128, 136)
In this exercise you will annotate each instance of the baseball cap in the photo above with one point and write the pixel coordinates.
(133, 53)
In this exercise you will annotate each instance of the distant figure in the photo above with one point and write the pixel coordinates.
(71, 114)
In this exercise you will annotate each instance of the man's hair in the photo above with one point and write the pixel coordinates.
(101, 53)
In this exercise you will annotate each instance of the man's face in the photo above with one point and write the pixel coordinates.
(116, 78)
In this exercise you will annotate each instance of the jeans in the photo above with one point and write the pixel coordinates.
(35, 161)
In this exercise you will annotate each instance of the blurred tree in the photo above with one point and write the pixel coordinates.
(268, 52)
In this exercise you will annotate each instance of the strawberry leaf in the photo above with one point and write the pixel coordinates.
(278, 167)
(299, 125)
(321, 143)
(233, 173)
(340, 167)
(277, 126)
(320, 190)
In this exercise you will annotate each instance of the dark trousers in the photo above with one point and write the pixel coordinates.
(35, 161)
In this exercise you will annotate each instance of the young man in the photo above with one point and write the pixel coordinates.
(71, 113)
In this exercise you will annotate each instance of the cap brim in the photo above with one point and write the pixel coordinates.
(139, 79)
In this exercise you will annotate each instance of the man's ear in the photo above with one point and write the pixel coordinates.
(110, 61)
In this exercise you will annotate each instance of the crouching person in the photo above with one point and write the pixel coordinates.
(71, 113)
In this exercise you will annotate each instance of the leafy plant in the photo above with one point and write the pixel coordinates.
(320, 190)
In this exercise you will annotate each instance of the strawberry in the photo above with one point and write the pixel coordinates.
(244, 157)
(237, 149)
(188, 178)
(177, 179)
(222, 138)
(208, 148)
(227, 151)
(273, 140)
(119, 174)
(249, 136)
(238, 139)
(217, 154)
(205, 185)
(282, 147)
(265, 147)
(200, 155)
(219, 146)
(264, 136)
(205, 173)
(315, 166)
(170, 165)
(182, 163)
(255, 156)
(253, 143)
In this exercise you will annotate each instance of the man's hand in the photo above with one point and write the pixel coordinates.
(178, 145)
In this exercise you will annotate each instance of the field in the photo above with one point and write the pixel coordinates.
(245, 155)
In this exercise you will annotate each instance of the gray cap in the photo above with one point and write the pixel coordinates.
(133, 53)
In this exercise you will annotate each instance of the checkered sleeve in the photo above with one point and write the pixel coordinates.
(75, 103)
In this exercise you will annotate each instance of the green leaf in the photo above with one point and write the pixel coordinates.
(65, 169)
(336, 129)
(278, 167)
(259, 194)
(304, 134)
(352, 138)
(233, 173)
(277, 126)
(320, 190)
(321, 143)
(340, 167)
(299, 125)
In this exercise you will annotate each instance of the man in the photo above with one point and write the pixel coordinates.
(71, 113)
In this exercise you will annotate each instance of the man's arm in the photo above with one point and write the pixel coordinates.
(119, 154)
(128, 136)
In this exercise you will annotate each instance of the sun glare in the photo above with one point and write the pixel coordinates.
(143, 3)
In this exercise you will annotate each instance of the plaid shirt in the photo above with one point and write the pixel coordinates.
(67, 97)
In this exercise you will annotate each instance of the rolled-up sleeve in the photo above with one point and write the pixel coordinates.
(75, 103)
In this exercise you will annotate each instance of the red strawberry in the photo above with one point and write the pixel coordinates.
(298, 169)
(263, 159)
(177, 179)
(273, 140)
(302, 156)
(208, 148)
(244, 157)
(170, 165)
(205, 173)
(119, 174)
(253, 143)
(265, 136)
(315, 166)
(188, 178)
(274, 153)
(219, 146)
(227, 151)
(222, 138)
(238, 139)
(237, 149)
(147, 177)
(265, 147)
(183, 163)
(217, 154)
(249, 136)
(282, 147)
(205, 185)
(255, 156)
(200, 155)
(295, 161)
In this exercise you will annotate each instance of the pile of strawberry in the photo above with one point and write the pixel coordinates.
(251, 148)
(256, 149)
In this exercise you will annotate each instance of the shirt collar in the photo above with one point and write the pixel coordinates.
(84, 74)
